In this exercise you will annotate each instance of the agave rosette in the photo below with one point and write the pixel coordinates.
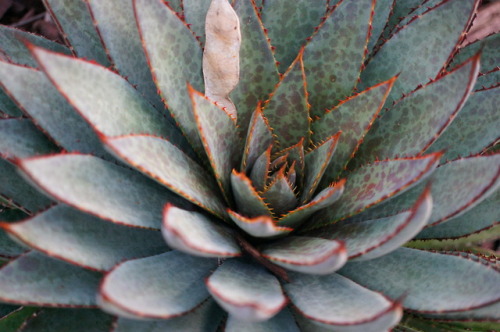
(280, 206)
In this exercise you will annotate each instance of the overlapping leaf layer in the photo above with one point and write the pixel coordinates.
(334, 183)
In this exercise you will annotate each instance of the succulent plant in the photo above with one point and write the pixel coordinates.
(300, 165)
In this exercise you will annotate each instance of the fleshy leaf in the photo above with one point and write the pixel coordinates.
(74, 320)
(289, 23)
(260, 170)
(337, 302)
(258, 70)
(307, 254)
(197, 235)
(163, 161)
(333, 73)
(218, 132)
(259, 137)
(383, 9)
(105, 99)
(353, 117)
(475, 126)
(115, 23)
(174, 280)
(164, 37)
(15, 50)
(221, 60)
(487, 313)
(75, 23)
(460, 185)
(248, 201)
(370, 239)
(295, 158)
(195, 12)
(374, 183)
(207, 318)
(489, 53)
(101, 188)
(481, 217)
(84, 240)
(247, 291)
(48, 109)
(433, 282)
(9, 248)
(34, 279)
(316, 163)
(284, 321)
(287, 110)
(415, 122)
(7, 106)
(443, 27)
(263, 226)
(19, 138)
(15, 189)
(280, 194)
(323, 199)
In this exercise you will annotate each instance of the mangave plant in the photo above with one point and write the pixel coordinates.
(245, 165)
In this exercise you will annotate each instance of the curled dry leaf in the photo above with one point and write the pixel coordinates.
(221, 69)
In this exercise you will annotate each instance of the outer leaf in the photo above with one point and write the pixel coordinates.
(9, 248)
(323, 199)
(163, 161)
(15, 188)
(460, 185)
(105, 99)
(115, 23)
(337, 302)
(13, 321)
(370, 239)
(259, 137)
(101, 188)
(377, 182)
(487, 313)
(433, 282)
(475, 127)
(258, 71)
(164, 37)
(13, 47)
(289, 23)
(263, 226)
(489, 53)
(175, 286)
(442, 26)
(284, 321)
(415, 122)
(75, 23)
(247, 291)
(221, 54)
(481, 217)
(48, 109)
(287, 110)
(74, 320)
(383, 8)
(19, 138)
(353, 117)
(197, 235)
(333, 74)
(7, 107)
(83, 240)
(218, 132)
(316, 163)
(33, 279)
(307, 254)
(248, 201)
(195, 12)
(205, 318)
